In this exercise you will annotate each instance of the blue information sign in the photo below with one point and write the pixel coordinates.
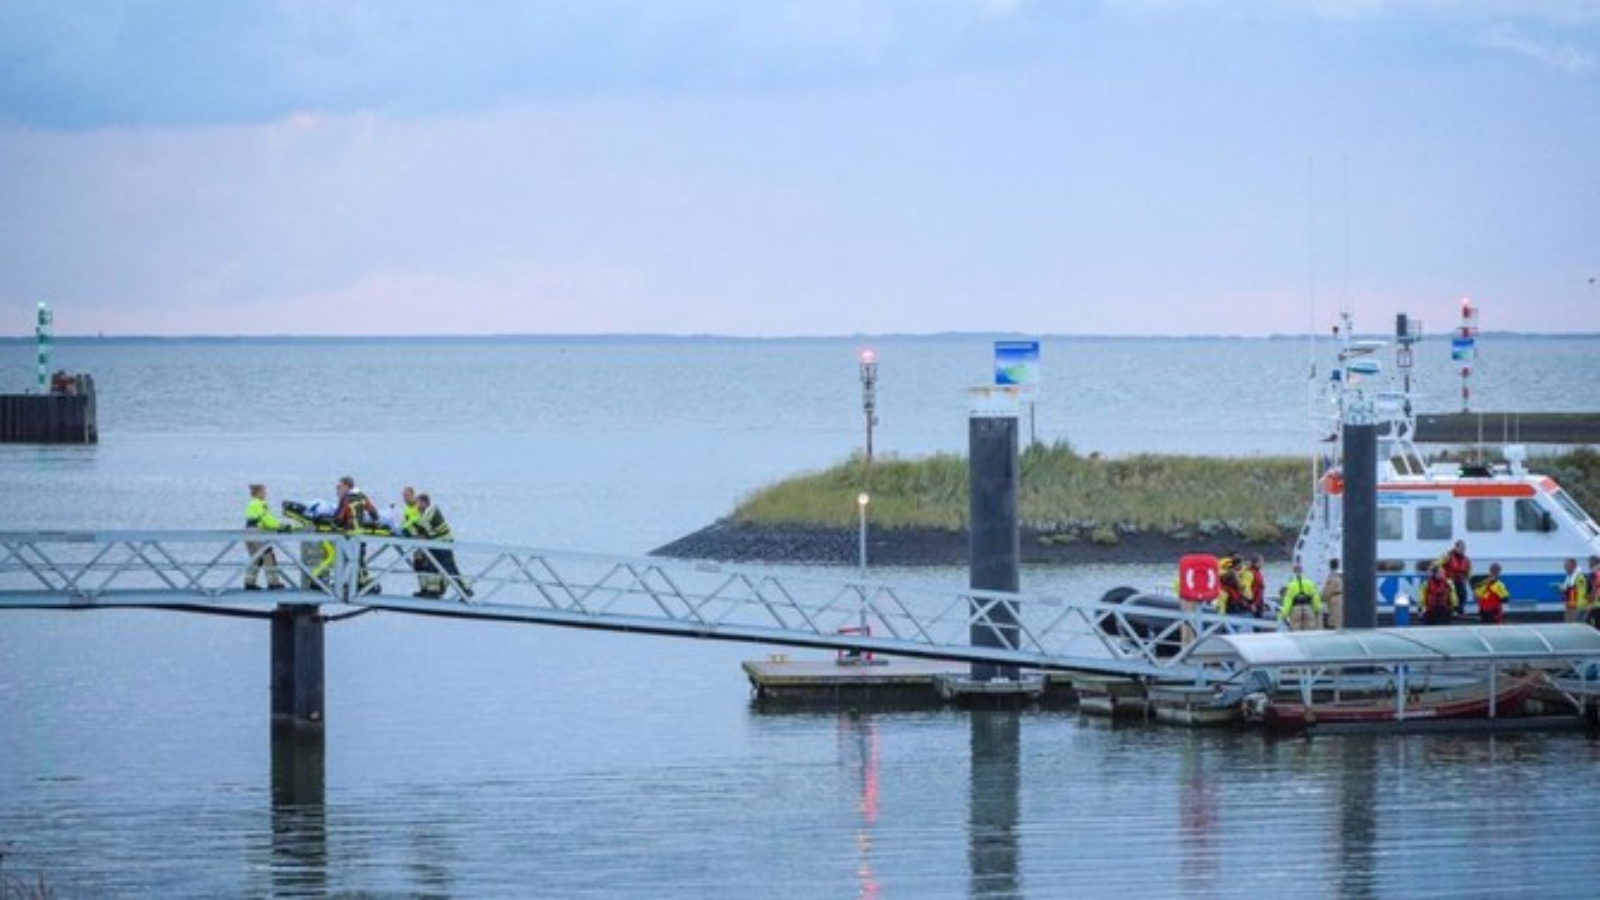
(1016, 364)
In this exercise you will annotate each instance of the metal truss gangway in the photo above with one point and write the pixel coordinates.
(335, 576)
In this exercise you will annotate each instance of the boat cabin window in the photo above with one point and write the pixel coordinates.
(1565, 501)
(1391, 565)
(1529, 516)
(1434, 523)
(1389, 523)
(1483, 514)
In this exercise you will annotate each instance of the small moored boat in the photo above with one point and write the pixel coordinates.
(1474, 700)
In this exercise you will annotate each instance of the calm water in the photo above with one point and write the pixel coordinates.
(477, 759)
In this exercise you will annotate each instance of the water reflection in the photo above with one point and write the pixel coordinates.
(859, 751)
(299, 814)
(1197, 809)
(994, 802)
(1357, 817)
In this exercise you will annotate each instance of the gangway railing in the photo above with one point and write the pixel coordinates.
(205, 571)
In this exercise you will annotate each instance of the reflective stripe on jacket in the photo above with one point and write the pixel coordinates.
(431, 525)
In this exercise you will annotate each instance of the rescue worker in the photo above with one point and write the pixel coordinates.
(408, 508)
(1438, 597)
(355, 510)
(1458, 568)
(1575, 593)
(1594, 591)
(258, 516)
(431, 525)
(1232, 598)
(356, 514)
(1492, 596)
(1300, 605)
(1333, 597)
(1255, 586)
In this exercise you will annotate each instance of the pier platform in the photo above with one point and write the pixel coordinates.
(888, 683)
(64, 415)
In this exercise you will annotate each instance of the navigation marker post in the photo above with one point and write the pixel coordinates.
(1464, 348)
(43, 332)
(869, 394)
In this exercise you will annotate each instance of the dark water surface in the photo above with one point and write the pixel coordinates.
(474, 759)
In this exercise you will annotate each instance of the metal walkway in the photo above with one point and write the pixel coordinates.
(204, 572)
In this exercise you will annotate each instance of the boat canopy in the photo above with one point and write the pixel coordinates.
(1385, 646)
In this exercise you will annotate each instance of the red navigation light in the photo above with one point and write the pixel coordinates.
(868, 356)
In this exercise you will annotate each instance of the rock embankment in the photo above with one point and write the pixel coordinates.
(728, 541)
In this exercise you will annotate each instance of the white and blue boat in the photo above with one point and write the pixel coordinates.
(1503, 512)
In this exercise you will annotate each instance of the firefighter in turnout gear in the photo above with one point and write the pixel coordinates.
(356, 514)
(436, 567)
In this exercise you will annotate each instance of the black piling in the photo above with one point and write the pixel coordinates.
(1360, 537)
(297, 666)
(995, 543)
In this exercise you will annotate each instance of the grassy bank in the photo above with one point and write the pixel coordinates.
(1261, 499)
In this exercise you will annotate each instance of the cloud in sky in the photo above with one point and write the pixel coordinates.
(1563, 57)
(801, 167)
(176, 62)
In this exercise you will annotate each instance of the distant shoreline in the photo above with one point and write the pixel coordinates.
(727, 541)
(650, 337)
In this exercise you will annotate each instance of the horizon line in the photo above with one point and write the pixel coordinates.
(714, 337)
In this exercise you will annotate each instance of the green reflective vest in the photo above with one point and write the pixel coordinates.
(257, 515)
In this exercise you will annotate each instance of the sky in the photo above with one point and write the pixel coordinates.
(797, 167)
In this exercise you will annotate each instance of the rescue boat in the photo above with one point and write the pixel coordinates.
(1502, 512)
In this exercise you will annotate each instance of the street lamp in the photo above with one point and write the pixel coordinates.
(869, 394)
(862, 499)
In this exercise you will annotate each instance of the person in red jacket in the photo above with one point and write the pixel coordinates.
(1492, 596)
(1438, 598)
(1258, 587)
(1458, 568)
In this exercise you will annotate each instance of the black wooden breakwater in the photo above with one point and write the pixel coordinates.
(64, 416)
(1509, 428)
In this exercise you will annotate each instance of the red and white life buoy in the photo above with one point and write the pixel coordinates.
(1198, 581)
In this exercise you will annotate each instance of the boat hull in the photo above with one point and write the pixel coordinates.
(1468, 702)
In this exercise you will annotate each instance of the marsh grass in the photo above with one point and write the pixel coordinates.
(1060, 491)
